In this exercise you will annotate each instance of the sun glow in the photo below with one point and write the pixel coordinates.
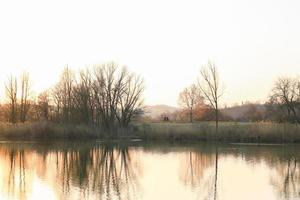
(164, 41)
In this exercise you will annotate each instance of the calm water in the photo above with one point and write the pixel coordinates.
(98, 170)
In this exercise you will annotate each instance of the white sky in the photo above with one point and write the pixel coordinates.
(165, 41)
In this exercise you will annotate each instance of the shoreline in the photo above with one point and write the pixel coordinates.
(229, 132)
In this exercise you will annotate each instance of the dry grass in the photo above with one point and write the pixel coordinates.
(203, 131)
(227, 132)
(46, 130)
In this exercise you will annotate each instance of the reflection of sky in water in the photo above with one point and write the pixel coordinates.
(65, 171)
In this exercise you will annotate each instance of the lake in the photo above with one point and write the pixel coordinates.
(138, 170)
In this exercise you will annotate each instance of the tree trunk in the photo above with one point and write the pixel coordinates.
(216, 175)
(191, 116)
(217, 120)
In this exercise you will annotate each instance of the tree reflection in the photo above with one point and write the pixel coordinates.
(216, 174)
(287, 178)
(16, 176)
(200, 168)
(104, 172)
(200, 171)
(96, 171)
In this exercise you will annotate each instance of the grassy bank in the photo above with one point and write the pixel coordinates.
(203, 131)
(47, 130)
(227, 132)
(54, 131)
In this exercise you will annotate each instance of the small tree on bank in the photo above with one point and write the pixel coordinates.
(189, 99)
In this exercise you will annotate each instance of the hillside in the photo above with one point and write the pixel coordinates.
(241, 111)
(156, 111)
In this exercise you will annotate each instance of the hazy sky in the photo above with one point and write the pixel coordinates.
(166, 41)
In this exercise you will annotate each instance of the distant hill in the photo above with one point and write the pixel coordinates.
(238, 112)
(156, 111)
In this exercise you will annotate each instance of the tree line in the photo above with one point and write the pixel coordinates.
(201, 100)
(106, 96)
(110, 96)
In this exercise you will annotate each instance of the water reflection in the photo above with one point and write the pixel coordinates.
(102, 172)
(203, 166)
(148, 171)
(17, 174)
(287, 179)
(198, 171)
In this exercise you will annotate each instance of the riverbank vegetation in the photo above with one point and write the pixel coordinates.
(228, 132)
(106, 101)
(47, 130)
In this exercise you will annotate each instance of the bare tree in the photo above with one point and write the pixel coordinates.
(107, 87)
(130, 98)
(63, 95)
(57, 97)
(11, 92)
(285, 93)
(117, 95)
(209, 85)
(83, 98)
(189, 98)
(25, 92)
(43, 105)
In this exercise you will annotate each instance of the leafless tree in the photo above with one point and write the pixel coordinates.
(57, 97)
(43, 104)
(189, 98)
(130, 98)
(210, 86)
(83, 98)
(106, 89)
(63, 95)
(11, 92)
(286, 93)
(118, 95)
(25, 92)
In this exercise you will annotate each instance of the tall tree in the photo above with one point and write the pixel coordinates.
(130, 98)
(43, 105)
(11, 88)
(117, 95)
(57, 97)
(25, 92)
(106, 90)
(83, 98)
(63, 95)
(209, 84)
